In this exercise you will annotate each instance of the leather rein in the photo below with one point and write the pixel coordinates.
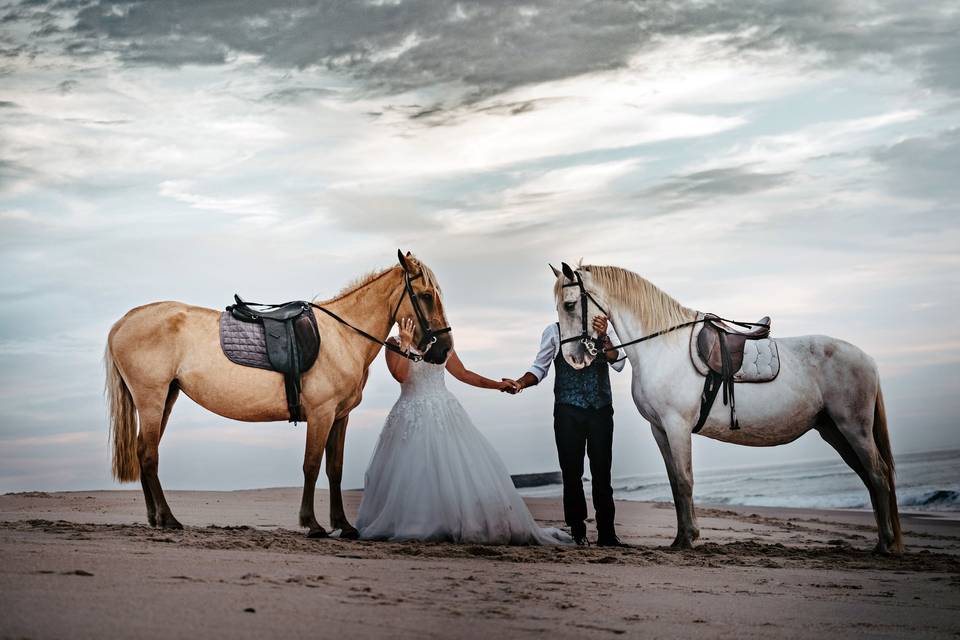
(428, 335)
(589, 343)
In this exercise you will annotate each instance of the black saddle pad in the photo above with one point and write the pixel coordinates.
(244, 343)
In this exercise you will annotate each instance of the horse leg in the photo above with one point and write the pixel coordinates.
(858, 435)
(828, 431)
(152, 424)
(147, 495)
(335, 442)
(680, 470)
(664, 446)
(319, 424)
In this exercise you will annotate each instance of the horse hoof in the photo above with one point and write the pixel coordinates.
(884, 550)
(169, 523)
(317, 533)
(682, 543)
(349, 534)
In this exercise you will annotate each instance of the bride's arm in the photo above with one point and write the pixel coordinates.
(398, 365)
(461, 373)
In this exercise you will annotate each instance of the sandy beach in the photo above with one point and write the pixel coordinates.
(85, 565)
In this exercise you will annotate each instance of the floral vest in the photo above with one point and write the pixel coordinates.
(587, 388)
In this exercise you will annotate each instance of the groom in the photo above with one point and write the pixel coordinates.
(582, 419)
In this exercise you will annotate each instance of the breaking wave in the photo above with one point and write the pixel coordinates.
(925, 482)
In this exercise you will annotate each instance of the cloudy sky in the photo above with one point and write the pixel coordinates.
(793, 158)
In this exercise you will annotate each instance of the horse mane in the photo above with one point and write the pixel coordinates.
(429, 279)
(656, 309)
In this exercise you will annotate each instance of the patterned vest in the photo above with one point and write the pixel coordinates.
(587, 388)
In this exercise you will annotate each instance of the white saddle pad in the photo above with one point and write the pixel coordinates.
(761, 358)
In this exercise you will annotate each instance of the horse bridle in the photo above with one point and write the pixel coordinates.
(428, 335)
(588, 342)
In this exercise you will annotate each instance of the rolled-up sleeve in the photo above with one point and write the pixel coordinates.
(548, 351)
(621, 354)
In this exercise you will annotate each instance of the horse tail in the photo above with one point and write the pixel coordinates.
(123, 423)
(881, 438)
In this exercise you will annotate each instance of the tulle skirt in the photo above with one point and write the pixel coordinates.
(433, 476)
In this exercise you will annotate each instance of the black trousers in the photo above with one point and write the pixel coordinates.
(577, 429)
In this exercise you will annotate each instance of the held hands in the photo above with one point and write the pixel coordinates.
(509, 386)
(406, 333)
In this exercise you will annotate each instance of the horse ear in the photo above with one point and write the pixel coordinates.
(556, 274)
(567, 271)
(403, 260)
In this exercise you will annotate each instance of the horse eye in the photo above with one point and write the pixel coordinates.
(426, 297)
(569, 306)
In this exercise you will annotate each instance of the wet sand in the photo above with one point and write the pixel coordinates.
(85, 565)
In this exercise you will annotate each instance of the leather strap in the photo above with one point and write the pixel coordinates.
(416, 357)
(711, 386)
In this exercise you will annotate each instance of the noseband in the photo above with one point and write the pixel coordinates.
(589, 343)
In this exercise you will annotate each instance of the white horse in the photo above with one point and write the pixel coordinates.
(824, 384)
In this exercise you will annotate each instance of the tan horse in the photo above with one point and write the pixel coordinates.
(158, 350)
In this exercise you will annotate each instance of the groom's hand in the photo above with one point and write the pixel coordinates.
(600, 325)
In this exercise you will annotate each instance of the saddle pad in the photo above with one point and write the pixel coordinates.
(243, 342)
(761, 358)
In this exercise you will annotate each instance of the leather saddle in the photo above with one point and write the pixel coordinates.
(720, 346)
(292, 341)
(718, 337)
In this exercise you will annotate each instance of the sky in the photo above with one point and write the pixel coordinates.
(798, 159)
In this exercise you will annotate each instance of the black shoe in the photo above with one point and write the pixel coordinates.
(611, 541)
(579, 534)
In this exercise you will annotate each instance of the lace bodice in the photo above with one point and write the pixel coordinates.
(424, 379)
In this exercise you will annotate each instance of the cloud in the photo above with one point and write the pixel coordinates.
(489, 48)
(296, 94)
(925, 166)
(690, 189)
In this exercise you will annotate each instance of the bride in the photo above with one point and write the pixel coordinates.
(433, 475)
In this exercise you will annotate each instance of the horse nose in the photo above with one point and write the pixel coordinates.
(443, 353)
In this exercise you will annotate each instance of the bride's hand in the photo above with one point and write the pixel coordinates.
(406, 333)
(509, 386)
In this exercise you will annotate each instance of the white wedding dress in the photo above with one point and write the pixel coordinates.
(433, 475)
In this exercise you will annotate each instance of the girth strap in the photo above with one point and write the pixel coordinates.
(711, 386)
(715, 382)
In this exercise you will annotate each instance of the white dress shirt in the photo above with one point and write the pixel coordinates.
(550, 342)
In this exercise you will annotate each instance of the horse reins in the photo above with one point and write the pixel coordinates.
(589, 343)
(428, 335)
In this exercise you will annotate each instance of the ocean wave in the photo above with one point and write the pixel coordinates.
(935, 500)
(924, 483)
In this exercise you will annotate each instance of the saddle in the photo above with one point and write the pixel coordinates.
(721, 347)
(292, 342)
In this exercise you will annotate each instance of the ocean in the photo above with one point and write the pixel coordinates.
(926, 481)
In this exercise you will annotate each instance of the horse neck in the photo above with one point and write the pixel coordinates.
(629, 327)
(370, 307)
